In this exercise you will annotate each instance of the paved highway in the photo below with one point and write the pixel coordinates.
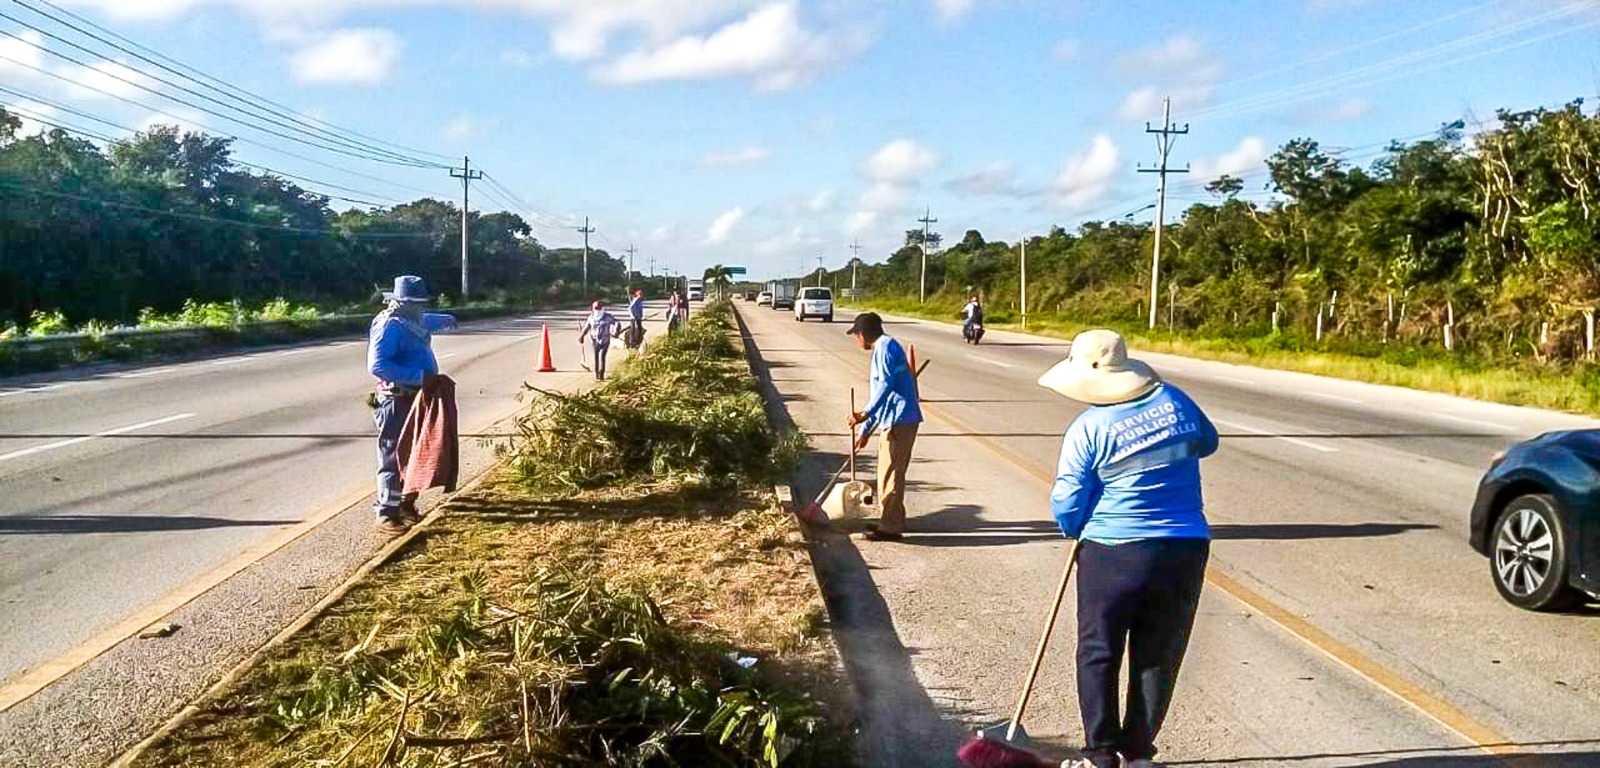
(1345, 622)
(130, 493)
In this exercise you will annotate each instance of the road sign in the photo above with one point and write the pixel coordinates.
(736, 270)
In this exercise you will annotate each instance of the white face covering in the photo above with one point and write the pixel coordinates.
(409, 310)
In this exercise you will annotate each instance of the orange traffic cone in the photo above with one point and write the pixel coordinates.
(546, 365)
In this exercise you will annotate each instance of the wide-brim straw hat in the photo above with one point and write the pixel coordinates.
(1098, 371)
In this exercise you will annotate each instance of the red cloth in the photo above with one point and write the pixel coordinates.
(430, 442)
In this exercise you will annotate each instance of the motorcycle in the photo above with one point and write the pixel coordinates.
(972, 332)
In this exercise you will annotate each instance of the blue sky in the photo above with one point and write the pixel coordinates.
(770, 132)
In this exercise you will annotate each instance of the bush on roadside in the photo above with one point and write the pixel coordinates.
(684, 413)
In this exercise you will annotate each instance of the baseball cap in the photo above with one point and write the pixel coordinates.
(866, 323)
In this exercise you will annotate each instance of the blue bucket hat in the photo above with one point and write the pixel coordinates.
(408, 288)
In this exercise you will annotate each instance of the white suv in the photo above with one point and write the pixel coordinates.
(814, 302)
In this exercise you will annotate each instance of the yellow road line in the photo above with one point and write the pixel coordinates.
(1480, 736)
(24, 686)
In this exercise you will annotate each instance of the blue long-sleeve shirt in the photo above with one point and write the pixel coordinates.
(1132, 470)
(398, 352)
(636, 308)
(893, 390)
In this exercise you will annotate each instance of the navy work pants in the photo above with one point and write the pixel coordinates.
(1140, 598)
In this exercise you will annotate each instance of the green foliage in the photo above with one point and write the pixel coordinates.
(48, 324)
(168, 217)
(686, 412)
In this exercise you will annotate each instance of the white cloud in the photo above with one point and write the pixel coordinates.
(16, 55)
(996, 178)
(769, 45)
(749, 155)
(885, 197)
(1067, 50)
(821, 202)
(859, 222)
(723, 225)
(1244, 159)
(1334, 112)
(952, 10)
(1145, 103)
(1178, 67)
(461, 128)
(353, 56)
(106, 80)
(900, 162)
(1087, 176)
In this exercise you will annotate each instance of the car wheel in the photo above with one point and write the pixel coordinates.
(828, 318)
(1528, 559)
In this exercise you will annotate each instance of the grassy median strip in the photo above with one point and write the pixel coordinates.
(634, 600)
(1562, 388)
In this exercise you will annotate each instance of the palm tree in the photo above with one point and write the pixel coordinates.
(719, 277)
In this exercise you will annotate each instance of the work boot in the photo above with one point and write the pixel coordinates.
(876, 533)
(392, 526)
(408, 512)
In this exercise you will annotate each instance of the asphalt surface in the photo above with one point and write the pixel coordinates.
(1345, 622)
(128, 492)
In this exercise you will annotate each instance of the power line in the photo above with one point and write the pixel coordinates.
(6, 184)
(379, 154)
(202, 78)
(192, 105)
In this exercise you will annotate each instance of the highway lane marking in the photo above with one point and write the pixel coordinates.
(1480, 736)
(1285, 438)
(228, 361)
(993, 361)
(30, 390)
(17, 454)
(32, 681)
(1334, 398)
(144, 374)
(1475, 422)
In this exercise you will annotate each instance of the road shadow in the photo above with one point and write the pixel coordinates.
(962, 525)
(901, 726)
(35, 525)
(1361, 435)
(1303, 531)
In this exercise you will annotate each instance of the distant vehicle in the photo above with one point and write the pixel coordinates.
(764, 297)
(782, 294)
(697, 290)
(814, 302)
(1537, 519)
(749, 295)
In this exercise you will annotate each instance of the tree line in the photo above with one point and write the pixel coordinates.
(1494, 236)
(169, 216)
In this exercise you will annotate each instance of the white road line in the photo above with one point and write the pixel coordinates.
(30, 390)
(86, 438)
(993, 361)
(228, 361)
(447, 357)
(1291, 440)
(1334, 398)
(1465, 420)
(1245, 382)
(144, 374)
(289, 352)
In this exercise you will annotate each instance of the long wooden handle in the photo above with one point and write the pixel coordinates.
(1044, 642)
(852, 436)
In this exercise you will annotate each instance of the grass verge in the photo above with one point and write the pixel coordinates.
(1571, 390)
(664, 616)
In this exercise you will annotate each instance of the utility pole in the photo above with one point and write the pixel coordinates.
(467, 176)
(1164, 140)
(820, 271)
(631, 250)
(922, 283)
(855, 263)
(1024, 282)
(587, 231)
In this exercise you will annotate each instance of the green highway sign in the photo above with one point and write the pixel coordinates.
(736, 270)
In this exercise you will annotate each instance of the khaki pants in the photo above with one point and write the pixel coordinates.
(894, 456)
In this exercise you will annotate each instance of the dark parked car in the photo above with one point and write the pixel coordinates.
(1537, 519)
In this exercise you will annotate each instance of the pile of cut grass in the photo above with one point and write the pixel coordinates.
(655, 618)
(685, 413)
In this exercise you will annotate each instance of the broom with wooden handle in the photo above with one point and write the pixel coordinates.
(1002, 745)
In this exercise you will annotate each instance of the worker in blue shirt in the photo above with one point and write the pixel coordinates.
(400, 357)
(1128, 488)
(635, 319)
(892, 410)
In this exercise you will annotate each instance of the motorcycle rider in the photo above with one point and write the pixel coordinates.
(972, 329)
